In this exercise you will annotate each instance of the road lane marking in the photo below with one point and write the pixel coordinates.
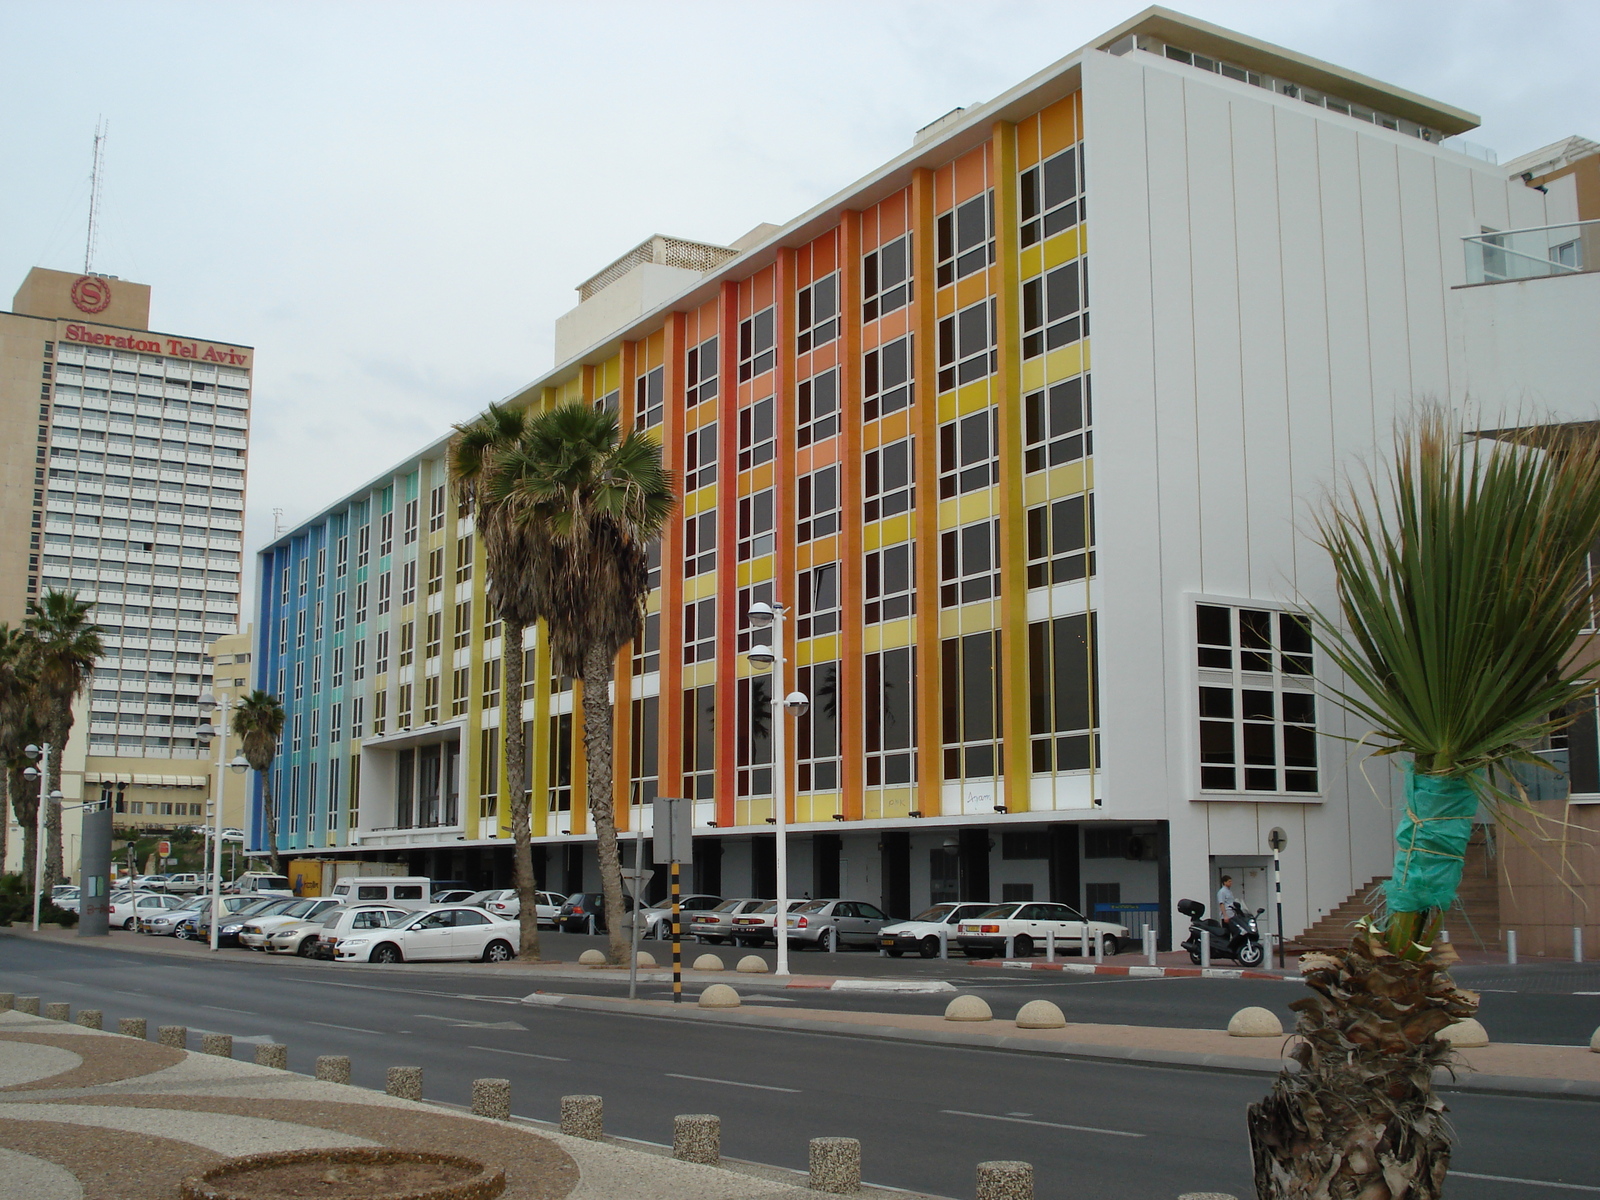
(765, 1087)
(1569, 1187)
(520, 1053)
(351, 1028)
(219, 1008)
(1047, 1124)
(462, 1023)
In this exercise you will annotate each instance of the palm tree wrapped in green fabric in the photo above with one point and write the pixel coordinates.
(1463, 590)
(258, 724)
(63, 644)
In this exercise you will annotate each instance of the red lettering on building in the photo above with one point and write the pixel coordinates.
(174, 347)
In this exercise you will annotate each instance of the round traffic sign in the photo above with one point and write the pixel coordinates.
(1277, 839)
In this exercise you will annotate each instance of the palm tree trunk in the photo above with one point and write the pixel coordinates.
(516, 783)
(5, 816)
(59, 731)
(602, 807)
(269, 809)
(26, 807)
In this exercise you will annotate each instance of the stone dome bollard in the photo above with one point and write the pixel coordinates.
(273, 1054)
(492, 1098)
(28, 1005)
(592, 958)
(404, 1082)
(583, 1117)
(719, 995)
(645, 959)
(1594, 1042)
(176, 1036)
(968, 1008)
(835, 1165)
(91, 1018)
(697, 1138)
(133, 1027)
(58, 1010)
(333, 1068)
(709, 962)
(1464, 1034)
(753, 964)
(1040, 1014)
(1005, 1180)
(1255, 1022)
(217, 1044)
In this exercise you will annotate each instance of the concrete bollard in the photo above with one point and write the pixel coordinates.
(57, 1010)
(8, 1001)
(583, 1117)
(1511, 947)
(645, 959)
(333, 1068)
(1255, 1022)
(835, 1165)
(1577, 946)
(218, 1045)
(91, 1018)
(492, 1098)
(272, 1054)
(592, 958)
(28, 1005)
(709, 962)
(404, 1082)
(1594, 1042)
(697, 1138)
(134, 1027)
(1005, 1180)
(967, 1007)
(176, 1036)
(1464, 1034)
(753, 964)
(1041, 1014)
(719, 995)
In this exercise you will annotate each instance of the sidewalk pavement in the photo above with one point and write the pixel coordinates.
(104, 1117)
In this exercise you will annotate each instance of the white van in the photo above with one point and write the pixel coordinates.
(403, 891)
(262, 883)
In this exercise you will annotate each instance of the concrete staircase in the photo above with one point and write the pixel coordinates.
(1474, 921)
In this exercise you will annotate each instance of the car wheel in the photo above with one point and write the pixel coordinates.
(896, 953)
(386, 953)
(828, 940)
(1251, 954)
(928, 947)
(1109, 946)
(128, 924)
(498, 951)
(1022, 947)
(306, 948)
(181, 934)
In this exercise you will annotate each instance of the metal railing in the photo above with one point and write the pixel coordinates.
(1500, 256)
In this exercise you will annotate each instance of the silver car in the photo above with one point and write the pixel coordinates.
(715, 925)
(829, 924)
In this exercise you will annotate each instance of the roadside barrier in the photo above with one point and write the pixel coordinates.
(1005, 1180)
(134, 1027)
(697, 1138)
(218, 1044)
(835, 1164)
(57, 1011)
(492, 1098)
(176, 1036)
(333, 1068)
(404, 1082)
(272, 1054)
(28, 1005)
(91, 1018)
(583, 1117)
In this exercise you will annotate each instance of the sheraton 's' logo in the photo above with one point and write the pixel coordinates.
(91, 294)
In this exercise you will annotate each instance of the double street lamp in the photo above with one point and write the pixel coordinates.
(42, 774)
(239, 765)
(770, 616)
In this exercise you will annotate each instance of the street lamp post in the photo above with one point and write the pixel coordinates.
(42, 774)
(205, 734)
(770, 616)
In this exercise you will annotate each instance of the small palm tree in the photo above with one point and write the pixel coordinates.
(65, 643)
(589, 501)
(258, 724)
(1463, 590)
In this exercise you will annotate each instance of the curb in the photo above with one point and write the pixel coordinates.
(1015, 964)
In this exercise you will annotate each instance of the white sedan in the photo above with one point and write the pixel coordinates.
(506, 904)
(254, 932)
(128, 910)
(1025, 929)
(435, 933)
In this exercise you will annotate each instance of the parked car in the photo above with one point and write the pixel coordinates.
(434, 934)
(165, 923)
(193, 923)
(829, 924)
(504, 902)
(339, 923)
(920, 935)
(403, 891)
(253, 934)
(574, 915)
(715, 924)
(657, 917)
(262, 883)
(453, 896)
(185, 884)
(754, 928)
(230, 924)
(65, 896)
(1028, 925)
(125, 912)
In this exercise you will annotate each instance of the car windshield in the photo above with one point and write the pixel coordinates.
(298, 909)
(731, 906)
(939, 912)
(811, 906)
(999, 910)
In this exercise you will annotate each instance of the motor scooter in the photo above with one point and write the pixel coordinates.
(1238, 938)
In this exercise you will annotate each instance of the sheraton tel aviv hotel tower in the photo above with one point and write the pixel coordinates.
(1022, 427)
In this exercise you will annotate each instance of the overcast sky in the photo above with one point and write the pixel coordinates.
(392, 202)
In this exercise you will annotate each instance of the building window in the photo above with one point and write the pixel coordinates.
(817, 314)
(380, 665)
(430, 700)
(817, 609)
(755, 525)
(886, 379)
(1257, 714)
(316, 623)
(969, 453)
(753, 740)
(700, 630)
(643, 750)
(560, 762)
(491, 620)
(818, 402)
(889, 480)
(333, 794)
(1051, 196)
(1063, 700)
(283, 635)
(316, 674)
(817, 730)
(969, 563)
(436, 509)
(338, 667)
(358, 670)
(316, 727)
(647, 645)
(384, 582)
(303, 576)
(747, 635)
(341, 557)
(966, 345)
(402, 715)
(650, 398)
(408, 583)
(357, 706)
(464, 559)
(412, 514)
(756, 434)
(1061, 541)
(889, 588)
(322, 567)
(886, 279)
(1053, 309)
(491, 683)
(652, 566)
(818, 504)
(972, 689)
(460, 690)
(700, 543)
(435, 635)
(890, 717)
(965, 239)
(699, 729)
(294, 733)
(361, 603)
(1056, 425)
(408, 643)
(339, 602)
(436, 571)
(299, 680)
(380, 713)
(463, 625)
(611, 402)
(700, 457)
(755, 345)
(336, 724)
(488, 773)
(700, 372)
(363, 545)
(386, 535)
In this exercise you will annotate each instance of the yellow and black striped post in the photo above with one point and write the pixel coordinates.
(677, 941)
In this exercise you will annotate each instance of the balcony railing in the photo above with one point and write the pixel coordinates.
(1500, 256)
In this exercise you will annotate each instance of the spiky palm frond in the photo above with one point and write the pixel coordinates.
(258, 721)
(65, 642)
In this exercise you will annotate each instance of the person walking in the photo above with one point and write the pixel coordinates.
(1225, 899)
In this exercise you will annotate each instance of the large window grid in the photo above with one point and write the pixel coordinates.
(886, 279)
(464, 559)
(1054, 308)
(1061, 541)
(1056, 425)
(700, 372)
(700, 543)
(1052, 195)
(817, 730)
(753, 740)
(436, 509)
(700, 457)
(817, 504)
(413, 512)
(887, 373)
(700, 742)
(818, 403)
(650, 398)
(748, 635)
(965, 239)
(700, 630)
(969, 563)
(560, 763)
(647, 645)
(755, 345)
(755, 525)
(1063, 699)
(969, 453)
(817, 314)
(890, 717)
(967, 345)
(643, 750)
(757, 434)
(1257, 712)
(889, 587)
(889, 480)
(971, 701)
(817, 601)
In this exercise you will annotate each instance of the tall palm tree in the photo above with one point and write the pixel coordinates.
(18, 728)
(590, 500)
(65, 643)
(258, 724)
(478, 458)
(1463, 590)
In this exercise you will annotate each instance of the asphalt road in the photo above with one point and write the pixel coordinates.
(925, 1114)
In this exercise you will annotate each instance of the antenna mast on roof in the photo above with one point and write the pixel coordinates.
(101, 128)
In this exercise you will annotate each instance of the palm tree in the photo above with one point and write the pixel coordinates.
(64, 646)
(477, 464)
(1463, 589)
(18, 728)
(258, 724)
(589, 500)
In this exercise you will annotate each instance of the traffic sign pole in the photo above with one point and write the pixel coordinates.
(677, 943)
(1277, 839)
